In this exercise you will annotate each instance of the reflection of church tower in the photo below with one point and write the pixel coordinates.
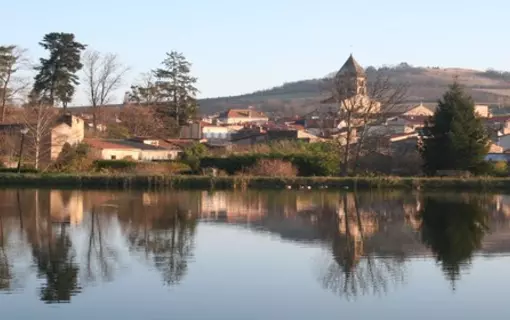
(352, 78)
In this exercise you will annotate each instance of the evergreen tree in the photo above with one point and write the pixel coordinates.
(454, 137)
(57, 77)
(176, 87)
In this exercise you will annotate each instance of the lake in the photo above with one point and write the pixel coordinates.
(253, 255)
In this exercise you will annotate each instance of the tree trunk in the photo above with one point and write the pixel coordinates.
(345, 164)
(4, 95)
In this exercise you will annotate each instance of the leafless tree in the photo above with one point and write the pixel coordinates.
(359, 111)
(39, 120)
(141, 120)
(103, 75)
(12, 60)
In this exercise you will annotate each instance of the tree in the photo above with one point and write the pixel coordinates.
(454, 137)
(177, 87)
(360, 110)
(57, 77)
(141, 121)
(12, 58)
(146, 92)
(39, 120)
(103, 75)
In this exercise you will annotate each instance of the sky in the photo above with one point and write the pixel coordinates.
(239, 46)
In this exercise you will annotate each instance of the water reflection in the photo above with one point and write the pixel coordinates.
(75, 239)
(453, 228)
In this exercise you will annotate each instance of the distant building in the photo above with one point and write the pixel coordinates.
(62, 129)
(239, 116)
(138, 149)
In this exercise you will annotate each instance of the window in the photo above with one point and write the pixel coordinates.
(114, 157)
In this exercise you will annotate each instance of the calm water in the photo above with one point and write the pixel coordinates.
(253, 255)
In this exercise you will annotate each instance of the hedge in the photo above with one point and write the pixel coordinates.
(307, 165)
(114, 165)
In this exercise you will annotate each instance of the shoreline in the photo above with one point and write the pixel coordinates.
(159, 182)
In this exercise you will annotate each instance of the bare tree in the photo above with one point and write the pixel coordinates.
(359, 110)
(141, 120)
(12, 59)
(103, 75)
(39, 120)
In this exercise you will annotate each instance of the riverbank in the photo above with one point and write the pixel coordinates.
(121, 182)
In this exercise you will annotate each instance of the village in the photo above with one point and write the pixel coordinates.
(394, 131)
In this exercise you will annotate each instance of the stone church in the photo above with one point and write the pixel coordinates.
(348, 90)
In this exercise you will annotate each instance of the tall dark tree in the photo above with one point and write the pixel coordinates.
(176, 87)
(454, 137)
(57, 79)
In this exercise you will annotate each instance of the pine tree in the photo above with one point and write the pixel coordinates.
(454, 137)
(57, 77)
(176, 87)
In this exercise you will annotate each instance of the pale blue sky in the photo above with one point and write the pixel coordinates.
(240, 46)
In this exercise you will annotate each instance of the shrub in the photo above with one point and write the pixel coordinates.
(273, 168)
(73, 159)
(306, 164)
(15, 170)
(193, 154)
(500, 169)
(114, 165)
(148, 168)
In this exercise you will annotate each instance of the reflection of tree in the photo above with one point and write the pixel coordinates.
(99, 252)
(453, 229)
(52, 253)
(167, 239)
(355, 272)
(5, 268)
(55, 262)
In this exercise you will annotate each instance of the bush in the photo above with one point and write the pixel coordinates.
(306, 164)
(73, 159)
(15, 170)
(150, 168)
(500, 169)
(115, 165)
(273, 168)
(193, 154)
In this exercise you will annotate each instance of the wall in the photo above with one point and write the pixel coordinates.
(504, 141)
(215, 132)
(119, 154)
(63, 133)
(149, 155)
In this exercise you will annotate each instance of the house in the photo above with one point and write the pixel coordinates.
(139, 149)
(238, 116)
(44, 143)
(504, 142)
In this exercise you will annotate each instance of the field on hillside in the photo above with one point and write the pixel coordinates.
(425, 85)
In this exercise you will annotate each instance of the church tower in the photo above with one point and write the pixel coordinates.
(352, 78)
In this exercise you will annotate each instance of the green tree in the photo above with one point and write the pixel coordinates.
(454, 137)
(176, 87)
(56, 79)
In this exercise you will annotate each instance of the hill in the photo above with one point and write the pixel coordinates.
(426, 84)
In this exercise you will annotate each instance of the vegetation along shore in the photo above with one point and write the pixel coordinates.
(167, 182)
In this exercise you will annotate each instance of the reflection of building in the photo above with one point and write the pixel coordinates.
(66, 206)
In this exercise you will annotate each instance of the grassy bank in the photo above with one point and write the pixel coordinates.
(99, 181)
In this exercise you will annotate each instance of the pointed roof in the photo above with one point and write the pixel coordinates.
(351, 66)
